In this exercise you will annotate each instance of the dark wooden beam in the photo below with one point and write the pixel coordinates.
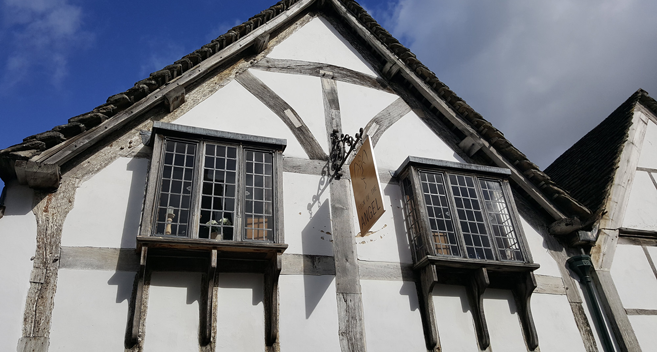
(299, 67)
(477, 284)
(207, 312)
(139, 298)
(287, 114)
(523, 293)
(272, 273)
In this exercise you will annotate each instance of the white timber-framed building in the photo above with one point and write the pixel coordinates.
(199, 211)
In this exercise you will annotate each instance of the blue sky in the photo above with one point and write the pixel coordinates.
(542, 72)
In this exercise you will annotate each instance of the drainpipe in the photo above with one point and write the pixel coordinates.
(582, 266)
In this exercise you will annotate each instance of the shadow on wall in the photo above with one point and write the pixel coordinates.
(396, 207)
(316, 237)
(408, 289)
(314, 290)
(251, 282)
(139, 169)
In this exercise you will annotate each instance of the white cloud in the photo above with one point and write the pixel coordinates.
(544, 73)
(39, 35)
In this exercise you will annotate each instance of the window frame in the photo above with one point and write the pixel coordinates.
(411, 169)
(162, 132)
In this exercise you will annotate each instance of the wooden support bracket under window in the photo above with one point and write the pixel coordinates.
(427, 280)
(272, 273)
(207, 316)
(476, 286)
(139, 298)
(522, 293)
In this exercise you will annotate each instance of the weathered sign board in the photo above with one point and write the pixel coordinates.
(367, 187)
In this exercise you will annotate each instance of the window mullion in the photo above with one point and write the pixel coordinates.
(515, 221)
(455, 216)
(197, 186)
(240, 200)
(489, 227)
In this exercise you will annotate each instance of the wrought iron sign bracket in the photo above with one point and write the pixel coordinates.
(339, 152)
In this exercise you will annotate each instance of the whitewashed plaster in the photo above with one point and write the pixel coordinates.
(410, 137)
(454, 319)
(358, 105)
(392, 316)
(318, 41)
(648, 157)
(503, 322)
(642, 206)
(634, 278)
(107, 207)
(91, 309)
(539, 252)
(387, 240)
(644, 327)
(234, 109)
(18, 232)
(555, 324)
(308, 314)
(172, 320)
(304, 95)
(240, 313)
(307, 214)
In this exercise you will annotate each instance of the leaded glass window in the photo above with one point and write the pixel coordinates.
(215, 191)
(463, 215)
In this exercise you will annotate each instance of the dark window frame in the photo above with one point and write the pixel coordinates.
(421, 234)
(475, 274)
(201, 137)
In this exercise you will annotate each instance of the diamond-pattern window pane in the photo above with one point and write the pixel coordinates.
(219, 182)
(440, 217)
(411, 219)
(259, 200)
(173, 209)
(471, 218)
(500, 221)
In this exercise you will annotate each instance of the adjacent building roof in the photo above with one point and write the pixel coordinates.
(33, 147)
(587, 169)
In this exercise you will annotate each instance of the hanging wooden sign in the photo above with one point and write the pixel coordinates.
(367, 187)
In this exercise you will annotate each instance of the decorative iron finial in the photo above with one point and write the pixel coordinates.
(339, 154)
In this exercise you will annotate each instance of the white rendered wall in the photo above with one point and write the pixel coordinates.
(386, 241)
(644, 327)
(240, 313)
(634, 278)
(392, 316)
(107, 207)
(172, 320)
(91, 310)
(503, 322)
(234, 109)
(307, 214)
(18, 234)
(648, 157)
(318, 41)
(308, 314)
(454, 319)
(410, 136)
(358, 105)
(539, 252)
(642, 207)
(555, 324)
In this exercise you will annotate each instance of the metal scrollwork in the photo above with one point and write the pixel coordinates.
(339, 152)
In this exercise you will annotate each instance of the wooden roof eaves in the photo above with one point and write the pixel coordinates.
(439, 103)
(399, 59)
(43, 170)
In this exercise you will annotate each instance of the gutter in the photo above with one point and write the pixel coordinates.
(583, 267)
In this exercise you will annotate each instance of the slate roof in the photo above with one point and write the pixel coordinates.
(587, 169)
(34, 145)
